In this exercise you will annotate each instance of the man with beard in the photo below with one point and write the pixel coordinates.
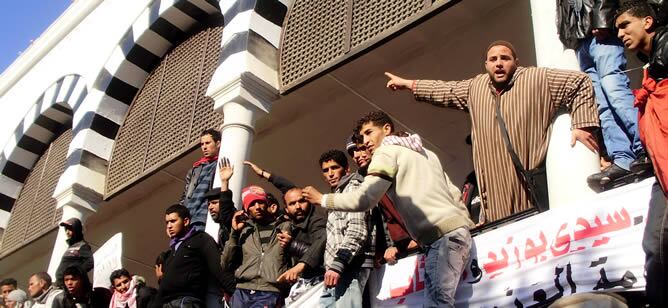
(524, 100)
(255, 254)
(306, 244)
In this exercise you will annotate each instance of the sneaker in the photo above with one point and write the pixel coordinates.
(608, 175)
(641, 164)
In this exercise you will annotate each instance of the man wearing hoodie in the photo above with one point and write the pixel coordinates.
(78, 253)
(43, 293)
(199, 178)
(422, 193)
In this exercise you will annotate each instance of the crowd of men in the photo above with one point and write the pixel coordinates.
(275, 250)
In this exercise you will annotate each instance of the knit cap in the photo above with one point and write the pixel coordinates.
(252, 193)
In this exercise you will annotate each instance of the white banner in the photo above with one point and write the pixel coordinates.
(107, 259)
(593, 245)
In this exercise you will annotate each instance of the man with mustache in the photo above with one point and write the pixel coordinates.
(527, 99)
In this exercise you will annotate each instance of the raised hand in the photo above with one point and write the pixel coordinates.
(259, 171)
(225, 169)
(398, 83)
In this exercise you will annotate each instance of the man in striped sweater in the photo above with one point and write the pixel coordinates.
(528, 99)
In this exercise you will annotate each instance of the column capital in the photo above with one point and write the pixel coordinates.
(79, 197)
(246, 89)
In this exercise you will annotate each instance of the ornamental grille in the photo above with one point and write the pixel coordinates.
(34, 212)
(318, 33)
(168, 113)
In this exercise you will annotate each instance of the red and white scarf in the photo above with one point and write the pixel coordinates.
(127, 299)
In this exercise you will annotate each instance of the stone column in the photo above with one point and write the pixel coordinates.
(76, 202)
(567, 167)
(242, 102)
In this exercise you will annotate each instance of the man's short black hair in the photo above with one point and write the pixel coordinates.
(337, 156)
(636, 8)
(180, 210)
(215, 135)
(9, 282)
(118, 274)
(45, 277)
(378, 118)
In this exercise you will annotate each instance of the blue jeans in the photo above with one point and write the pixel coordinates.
(243, 298)
(605, 63)
(445, 260)
(348, 291)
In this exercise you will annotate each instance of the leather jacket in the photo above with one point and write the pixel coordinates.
(576, 18)
(658, 57)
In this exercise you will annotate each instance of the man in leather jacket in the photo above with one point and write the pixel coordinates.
(640, 32)
(587, 26)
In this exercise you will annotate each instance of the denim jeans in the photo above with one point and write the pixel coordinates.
(605, 63)
(654, 243)
(444, 263)
(244, 298)
(348, 291)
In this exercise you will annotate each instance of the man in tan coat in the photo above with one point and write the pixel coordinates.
(528, 99)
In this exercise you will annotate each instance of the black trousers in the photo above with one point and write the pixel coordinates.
(655, 245)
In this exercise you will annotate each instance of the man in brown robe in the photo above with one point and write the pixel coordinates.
(529, 98)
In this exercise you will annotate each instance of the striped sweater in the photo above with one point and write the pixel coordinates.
(528, 105)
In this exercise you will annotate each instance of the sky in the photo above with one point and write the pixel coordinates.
(22, 21)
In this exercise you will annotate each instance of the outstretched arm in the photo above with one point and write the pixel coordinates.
(281, 183)
(452, 94)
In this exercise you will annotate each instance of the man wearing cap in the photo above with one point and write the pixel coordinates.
(528, 99)
(254, 252)
(78, 253)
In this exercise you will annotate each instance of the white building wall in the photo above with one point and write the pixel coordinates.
(83, 51)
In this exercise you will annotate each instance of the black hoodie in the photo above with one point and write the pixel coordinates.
(78, 253)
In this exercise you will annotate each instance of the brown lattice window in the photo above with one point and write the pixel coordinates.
(317, 34)
(34, 212)
(168, 113)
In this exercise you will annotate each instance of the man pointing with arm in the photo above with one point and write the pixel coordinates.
(413, 179)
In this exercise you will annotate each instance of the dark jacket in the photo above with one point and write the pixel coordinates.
(576, 18)
(658, 57)
(308, 243)
(254, 267)
(199, 181)
(78, 253)
(186, 269)
(225, 214)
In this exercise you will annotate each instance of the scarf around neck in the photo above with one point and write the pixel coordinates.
(204, 160)
(129, 298)
(176, 241)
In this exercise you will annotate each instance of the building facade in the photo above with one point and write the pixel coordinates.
(102, 114)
